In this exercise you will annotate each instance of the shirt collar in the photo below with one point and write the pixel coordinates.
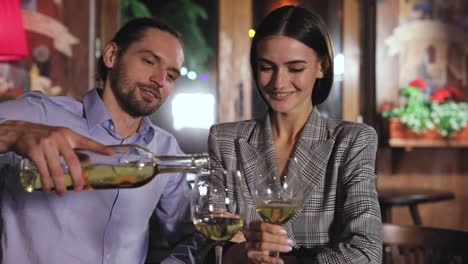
(94, 109)
(97, 114)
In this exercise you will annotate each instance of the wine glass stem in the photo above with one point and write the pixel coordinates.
(277, 254)
(219, 254)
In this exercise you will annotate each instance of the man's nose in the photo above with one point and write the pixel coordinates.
(159, 77)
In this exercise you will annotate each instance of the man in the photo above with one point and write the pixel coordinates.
(139, 68)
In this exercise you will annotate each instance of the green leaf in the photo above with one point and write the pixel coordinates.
(140, 10)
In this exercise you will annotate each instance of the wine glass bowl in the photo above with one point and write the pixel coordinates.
(216, 207)
(278, 197)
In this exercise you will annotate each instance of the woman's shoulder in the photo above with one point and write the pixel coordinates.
(234, 129)
(342, 129)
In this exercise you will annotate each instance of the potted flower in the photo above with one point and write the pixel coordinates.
(436, 115)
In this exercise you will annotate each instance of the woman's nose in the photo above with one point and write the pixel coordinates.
(280, 79)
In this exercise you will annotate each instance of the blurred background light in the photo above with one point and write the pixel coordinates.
(251, 33)
(193, 110)
(183, 71)
(192, 75)
(203, 77)
(338, 64)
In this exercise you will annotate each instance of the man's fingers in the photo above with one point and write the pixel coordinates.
(81, 142)
(52, 156)
(74, 168)
(41, 165)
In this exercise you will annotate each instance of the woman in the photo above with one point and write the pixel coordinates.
(339, 222)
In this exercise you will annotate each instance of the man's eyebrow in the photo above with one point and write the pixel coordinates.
(158, 58)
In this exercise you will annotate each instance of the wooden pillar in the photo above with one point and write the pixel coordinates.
(108, 20)
(352, 55)
(234, 75)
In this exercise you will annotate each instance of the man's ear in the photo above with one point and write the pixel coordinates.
(109, 54)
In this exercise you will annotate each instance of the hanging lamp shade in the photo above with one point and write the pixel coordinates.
(12, 36)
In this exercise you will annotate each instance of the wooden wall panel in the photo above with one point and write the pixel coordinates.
(234, 75)
(352, 53)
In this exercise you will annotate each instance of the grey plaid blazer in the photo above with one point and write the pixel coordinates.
(339, 219)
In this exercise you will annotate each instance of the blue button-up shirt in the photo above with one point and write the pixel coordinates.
(100, 226)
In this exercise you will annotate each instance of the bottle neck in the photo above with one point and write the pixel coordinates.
(182, 163)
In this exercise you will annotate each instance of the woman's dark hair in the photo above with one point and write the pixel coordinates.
(131, 32)
(307, 27)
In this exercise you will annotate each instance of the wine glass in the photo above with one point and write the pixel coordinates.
(216, 206)
(277, 197)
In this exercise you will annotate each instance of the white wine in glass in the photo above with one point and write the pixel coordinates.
(276, 212)
(216, 206)
(277, 196)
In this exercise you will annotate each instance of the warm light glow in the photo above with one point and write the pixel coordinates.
(12, 36)
(193, 110)
(277, 4)
(251, 33)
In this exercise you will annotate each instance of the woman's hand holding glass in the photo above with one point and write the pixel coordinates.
(276, 200)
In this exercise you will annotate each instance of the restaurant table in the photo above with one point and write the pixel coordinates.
(391, 197)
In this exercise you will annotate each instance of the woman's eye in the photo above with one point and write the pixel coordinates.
(265, 68)
(148, 61)
(296, 70)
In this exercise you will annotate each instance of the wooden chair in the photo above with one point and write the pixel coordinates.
(416, 244)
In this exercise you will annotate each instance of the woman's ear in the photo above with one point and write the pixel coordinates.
(324, 67)
(109, 54)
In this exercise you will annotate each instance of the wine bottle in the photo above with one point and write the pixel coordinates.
(130, 166)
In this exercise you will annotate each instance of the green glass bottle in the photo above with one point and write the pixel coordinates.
(129, 167)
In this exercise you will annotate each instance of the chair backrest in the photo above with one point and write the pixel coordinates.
(416, 244)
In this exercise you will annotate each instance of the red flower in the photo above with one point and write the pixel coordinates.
(418, 82)
(456, 93)
(386, 106)
(440, 95)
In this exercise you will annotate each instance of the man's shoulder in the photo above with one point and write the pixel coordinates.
(36, 105)
(348, 129)
(38, 100)
(164, 142)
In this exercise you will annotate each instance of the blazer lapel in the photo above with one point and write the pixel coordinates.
(257, 153)
(313, 150)
(312, 153)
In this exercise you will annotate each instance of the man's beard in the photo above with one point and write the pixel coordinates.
(129, 101)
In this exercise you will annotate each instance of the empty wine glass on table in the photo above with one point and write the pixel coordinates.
(216, 207)
(277, 195)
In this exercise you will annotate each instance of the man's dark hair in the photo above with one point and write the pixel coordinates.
(131, 32)
(307, 27)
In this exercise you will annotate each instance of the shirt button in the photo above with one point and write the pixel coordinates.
(108, 256)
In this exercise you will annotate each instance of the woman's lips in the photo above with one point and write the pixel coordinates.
(280, 95)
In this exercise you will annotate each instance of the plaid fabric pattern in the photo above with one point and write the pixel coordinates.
(338, 221)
